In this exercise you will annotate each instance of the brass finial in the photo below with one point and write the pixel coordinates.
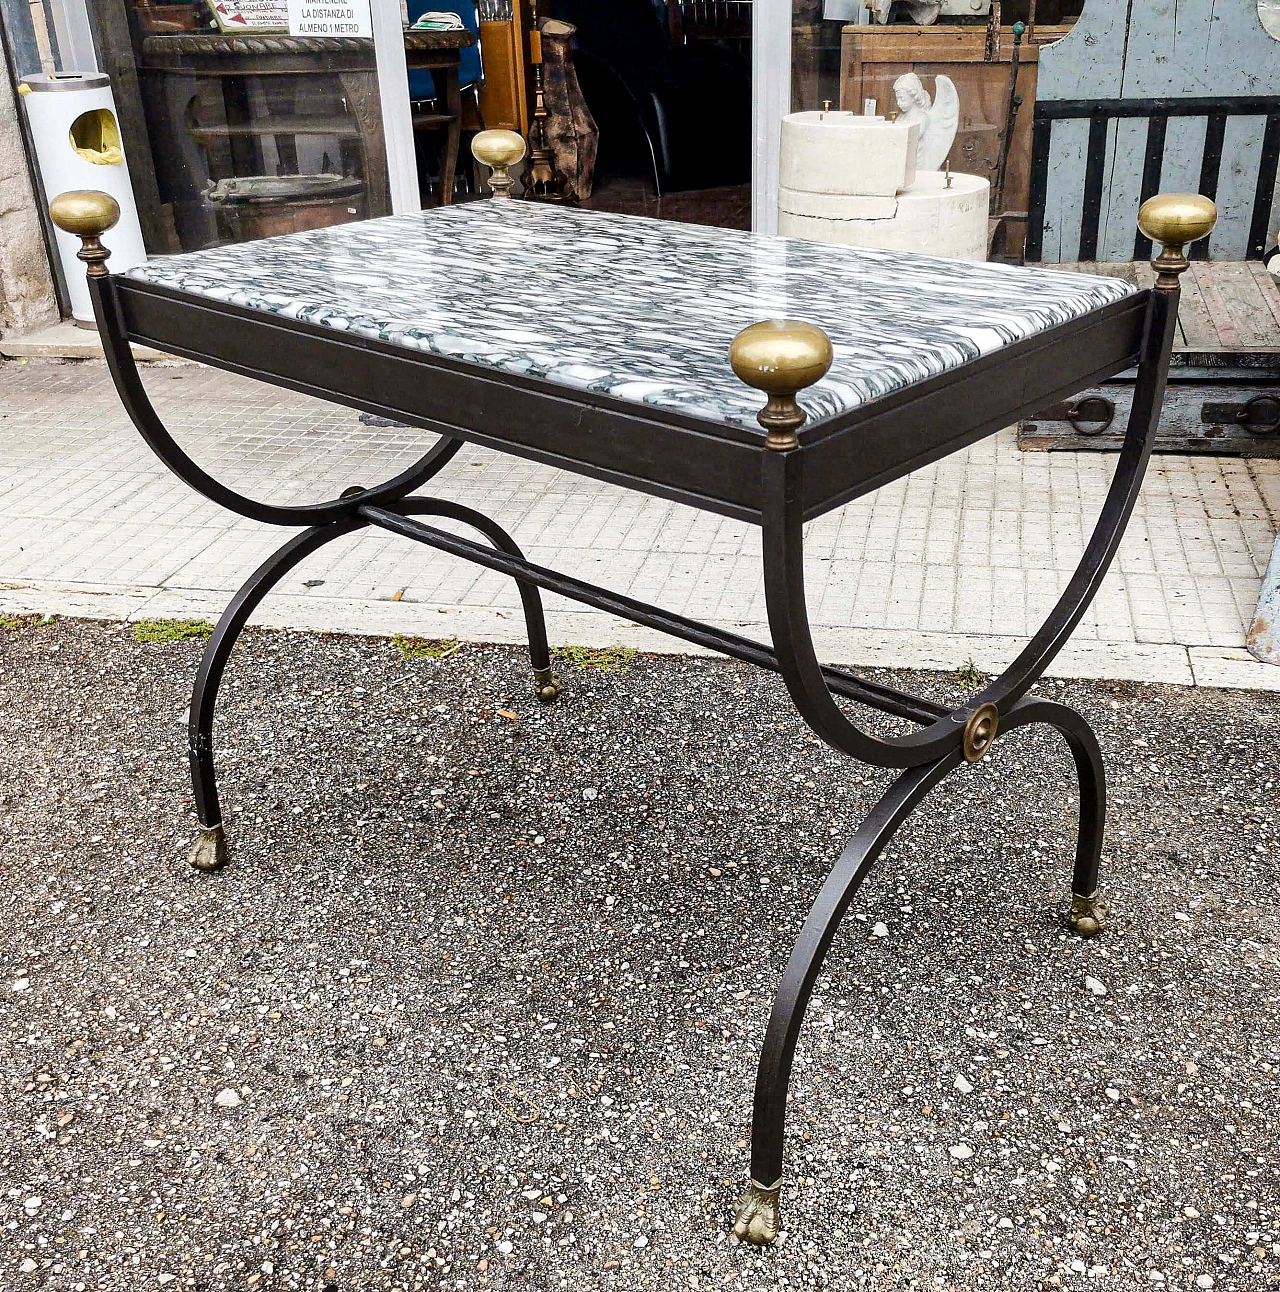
(87, 214)
(980, 732)
(1174, 220)
(498, 149)
(781, 357)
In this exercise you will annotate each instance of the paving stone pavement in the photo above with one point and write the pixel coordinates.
(962, 559)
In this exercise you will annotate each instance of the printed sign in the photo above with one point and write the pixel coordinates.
(329, 18)
(250, 15)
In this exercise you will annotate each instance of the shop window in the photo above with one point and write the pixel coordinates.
(237, 136)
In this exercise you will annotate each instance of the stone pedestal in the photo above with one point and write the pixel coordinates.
(838, 152)
(927, 217)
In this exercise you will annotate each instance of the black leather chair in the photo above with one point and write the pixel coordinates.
(683, 113)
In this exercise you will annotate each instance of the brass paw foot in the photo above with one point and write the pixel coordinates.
(757, 1219)
(209, 852)
(548, 684)
(1088, 915)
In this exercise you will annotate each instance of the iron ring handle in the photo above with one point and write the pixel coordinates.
(1268, 406)
(1092, 408)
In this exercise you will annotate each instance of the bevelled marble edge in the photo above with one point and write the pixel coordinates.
(881, 341)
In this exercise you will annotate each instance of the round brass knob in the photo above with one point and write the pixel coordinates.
(497, 148)
(1175, 219)
(781, 357)
(84, 212)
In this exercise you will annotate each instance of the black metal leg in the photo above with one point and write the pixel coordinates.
(1088, 907)
(757, 1216)
(783, 547)
(547, 683)
(210, 849)
(757, 1219)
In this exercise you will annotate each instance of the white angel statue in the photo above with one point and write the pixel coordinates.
(939, 117)
(921, 12)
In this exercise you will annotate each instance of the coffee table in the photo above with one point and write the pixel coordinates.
(640, 352)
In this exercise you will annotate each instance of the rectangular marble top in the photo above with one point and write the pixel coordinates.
(642, 310)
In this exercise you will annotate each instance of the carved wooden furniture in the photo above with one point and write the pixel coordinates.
(640, 358)
(215, 102)
(571, 131)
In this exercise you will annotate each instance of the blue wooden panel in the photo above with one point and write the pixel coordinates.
(1237, 182)
(1127, 147)
(1141, 49)
(1062, 200)
(1087, 63)
(1194, 47)
(1183, 149)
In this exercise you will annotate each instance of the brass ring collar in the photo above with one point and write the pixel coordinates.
(980, 732)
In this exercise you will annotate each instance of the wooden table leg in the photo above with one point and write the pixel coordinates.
(448, 77)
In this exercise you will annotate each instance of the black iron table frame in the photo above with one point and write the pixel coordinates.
(1141, 329)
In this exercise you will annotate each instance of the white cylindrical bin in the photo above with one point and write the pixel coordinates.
(927, 217)
(77, 143)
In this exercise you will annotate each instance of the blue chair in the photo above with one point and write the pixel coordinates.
(421, 83)
(436, 106)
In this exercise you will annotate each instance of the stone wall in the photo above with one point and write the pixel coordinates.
(27, 298)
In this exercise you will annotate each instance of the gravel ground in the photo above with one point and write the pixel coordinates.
(479, 1001)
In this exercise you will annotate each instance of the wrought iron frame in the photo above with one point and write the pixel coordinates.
(720, 469)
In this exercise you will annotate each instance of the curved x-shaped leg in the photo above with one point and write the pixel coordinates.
(133, 395)
(783, 543)
(210, 849)
(757, 1220)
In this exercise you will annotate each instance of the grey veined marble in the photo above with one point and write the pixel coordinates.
(640, 309)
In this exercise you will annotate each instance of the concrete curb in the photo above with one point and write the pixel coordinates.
(1178, 665)
(67, 341)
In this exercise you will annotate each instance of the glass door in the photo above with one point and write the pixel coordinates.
(240, 119)
(796, 68)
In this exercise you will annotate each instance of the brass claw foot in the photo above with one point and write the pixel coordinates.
(1088, 915)
(548, 684)
(209, 852)
(757, 1219)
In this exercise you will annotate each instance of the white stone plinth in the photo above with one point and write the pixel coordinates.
(827, 206)
(928, 218)
(838, 152)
